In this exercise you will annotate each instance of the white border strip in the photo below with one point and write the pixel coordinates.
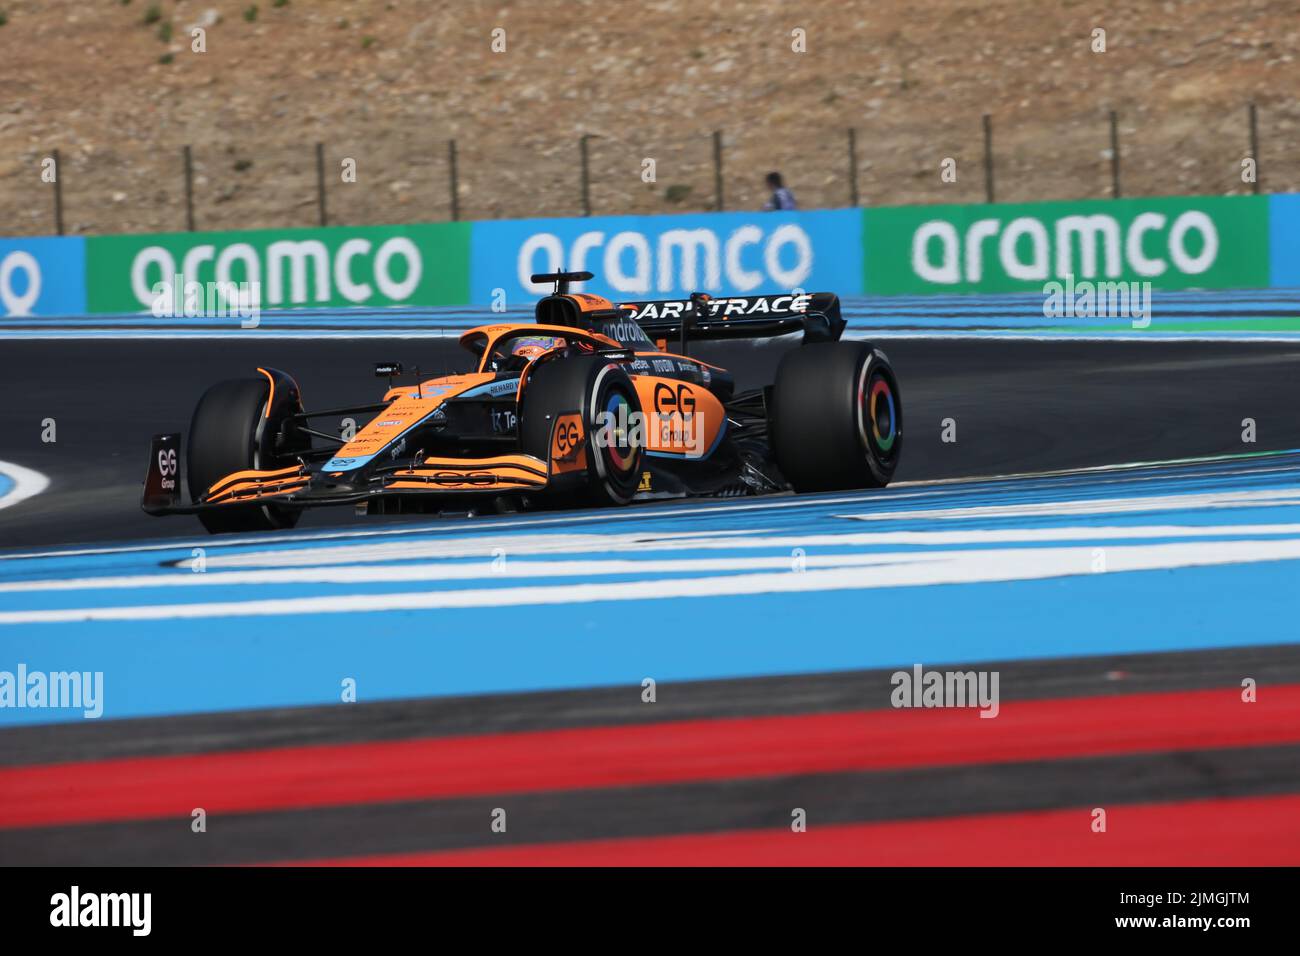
(487, 524)
(26, 483)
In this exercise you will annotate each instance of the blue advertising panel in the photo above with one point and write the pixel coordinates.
(42, 276)
(1284, 240)
(671, 256)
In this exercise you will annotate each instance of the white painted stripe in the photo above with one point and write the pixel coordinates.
(699, 507)
(26, 483)
(516, 567)
(904, 570)
(478, 571)
(577, 542)
(1255, 498)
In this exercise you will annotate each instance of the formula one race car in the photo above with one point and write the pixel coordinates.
(585, 407)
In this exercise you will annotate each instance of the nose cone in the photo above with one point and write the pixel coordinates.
(344, 463)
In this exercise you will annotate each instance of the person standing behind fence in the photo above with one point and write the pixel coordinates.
(782, 199)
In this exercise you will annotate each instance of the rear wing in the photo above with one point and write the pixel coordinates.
(815, 314)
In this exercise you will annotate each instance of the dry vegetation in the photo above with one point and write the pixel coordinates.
(117, 89)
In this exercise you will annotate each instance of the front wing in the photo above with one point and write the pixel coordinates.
(300, 486)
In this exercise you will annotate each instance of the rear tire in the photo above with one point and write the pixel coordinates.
(223, 439)
(589, 386)
(837, 418)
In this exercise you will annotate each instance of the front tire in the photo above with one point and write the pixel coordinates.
(224, 436)
(593, 387)
(837, 418)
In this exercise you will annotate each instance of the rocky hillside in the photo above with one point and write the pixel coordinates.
(117, 87)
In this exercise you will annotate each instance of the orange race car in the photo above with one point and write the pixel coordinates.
(586, 406)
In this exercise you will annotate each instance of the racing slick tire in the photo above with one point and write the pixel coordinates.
(836, 420)
(223, 439)
(588, 385)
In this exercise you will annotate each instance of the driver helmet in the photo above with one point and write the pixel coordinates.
(532, 346)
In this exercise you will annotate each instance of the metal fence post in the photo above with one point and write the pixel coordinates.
(988, 158)
(853, 167)
(320, 182)
(1254, 147)
(58, 194)
(717, 169)
(454, 180)
(189, 190)
(1114, 155)
(586, 180)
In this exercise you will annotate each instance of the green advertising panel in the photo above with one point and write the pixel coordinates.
(420, 265)
(1215, 242)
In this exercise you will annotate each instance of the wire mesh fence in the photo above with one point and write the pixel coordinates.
(416, 176)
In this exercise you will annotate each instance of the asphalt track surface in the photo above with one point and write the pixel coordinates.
(1119, 691)
(1019, 406)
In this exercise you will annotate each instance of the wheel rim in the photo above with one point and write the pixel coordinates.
(618, 457)
(879, 409)
(621, 451)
